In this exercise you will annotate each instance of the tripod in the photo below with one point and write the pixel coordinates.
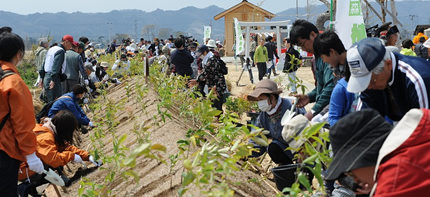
(247, 66)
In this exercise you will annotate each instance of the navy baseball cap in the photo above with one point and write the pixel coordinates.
(202, 49)
(362, 58)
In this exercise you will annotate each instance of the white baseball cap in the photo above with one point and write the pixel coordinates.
(362, 58)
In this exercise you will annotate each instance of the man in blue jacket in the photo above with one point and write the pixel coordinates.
(69, 101)
(389, 82)
(332, 51)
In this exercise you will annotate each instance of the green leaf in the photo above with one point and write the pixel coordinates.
(188, 164)
(314, 129)
(130, 161)
(132, 174)
(303, 179)
(260, 141)
(182, 191)
(158, 147)
(141, 149)
(310, 159)
(317, 139)
(188, 178)
(122, 139)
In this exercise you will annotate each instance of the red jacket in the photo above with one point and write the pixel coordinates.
(404, 168)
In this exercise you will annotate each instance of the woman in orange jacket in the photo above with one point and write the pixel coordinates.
(17, 140)
(54, 138)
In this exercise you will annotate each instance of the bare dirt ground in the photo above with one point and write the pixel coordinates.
(245, 86)
(155, 179)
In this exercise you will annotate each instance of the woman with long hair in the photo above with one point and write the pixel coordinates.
(54, 148)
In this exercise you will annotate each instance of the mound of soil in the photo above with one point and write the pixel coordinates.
(155, 179)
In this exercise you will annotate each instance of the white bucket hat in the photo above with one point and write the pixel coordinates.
(211, 44)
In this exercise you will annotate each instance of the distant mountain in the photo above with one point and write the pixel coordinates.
(93, 25)
(101, 26)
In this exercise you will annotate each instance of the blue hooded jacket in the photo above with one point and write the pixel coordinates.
(72, 105)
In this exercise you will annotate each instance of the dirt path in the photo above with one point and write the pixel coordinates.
(155, 179)
(245, 86)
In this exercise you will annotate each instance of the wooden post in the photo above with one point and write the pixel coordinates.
(146, 65)
(395, 20)
(373, 9)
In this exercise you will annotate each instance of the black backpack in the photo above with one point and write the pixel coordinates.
(45, 110)
(222, 66)
(4, 74)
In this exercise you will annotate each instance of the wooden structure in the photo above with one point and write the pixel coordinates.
(245, 12)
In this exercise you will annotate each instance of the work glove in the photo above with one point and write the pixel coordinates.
(78, 159)
(97, 163)
(34, 163)
(85, 101)
(91, 124)
(86, 82)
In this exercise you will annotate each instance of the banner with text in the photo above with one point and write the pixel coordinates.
(240, 43)
(349, 24)
(207, 30)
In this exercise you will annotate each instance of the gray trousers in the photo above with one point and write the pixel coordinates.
(51, 94)
(68, 84)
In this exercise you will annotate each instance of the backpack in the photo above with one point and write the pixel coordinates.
(222, 66)
(4, 74)
(45, 110)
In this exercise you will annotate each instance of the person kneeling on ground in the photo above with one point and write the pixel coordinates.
(273, 108)
(54, 139)
(121, 67)
(69, 101)
(392, 162)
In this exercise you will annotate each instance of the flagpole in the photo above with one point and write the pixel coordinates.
(331, 15)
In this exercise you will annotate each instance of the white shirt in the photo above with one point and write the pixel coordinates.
(206, 58)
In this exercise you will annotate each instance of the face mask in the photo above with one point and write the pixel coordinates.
(263, 105)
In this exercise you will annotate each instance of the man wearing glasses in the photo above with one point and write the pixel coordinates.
(382, 160)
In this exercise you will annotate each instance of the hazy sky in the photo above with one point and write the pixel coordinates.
(33, 6)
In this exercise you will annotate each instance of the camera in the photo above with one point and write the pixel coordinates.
(348, 182)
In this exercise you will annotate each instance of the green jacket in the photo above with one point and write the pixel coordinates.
(260, 55)
(409, 52)
(324, 86)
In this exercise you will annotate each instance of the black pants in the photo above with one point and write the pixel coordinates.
(262, 69)
(8, 175)
(218, 102)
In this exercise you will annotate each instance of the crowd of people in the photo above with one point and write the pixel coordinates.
(373, 97)
(70, 73)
